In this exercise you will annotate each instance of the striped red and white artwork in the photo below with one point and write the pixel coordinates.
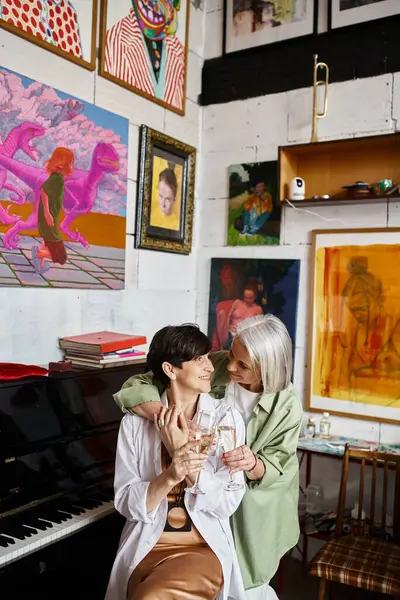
(127, 58)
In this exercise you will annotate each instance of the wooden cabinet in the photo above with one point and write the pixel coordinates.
(327, 166)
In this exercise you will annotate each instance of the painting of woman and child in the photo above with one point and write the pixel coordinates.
(63, 173)
(243, 288)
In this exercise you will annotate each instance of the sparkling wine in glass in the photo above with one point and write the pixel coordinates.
(205, 431)
(228, 442)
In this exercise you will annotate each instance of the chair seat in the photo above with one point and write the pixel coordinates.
(361, 562)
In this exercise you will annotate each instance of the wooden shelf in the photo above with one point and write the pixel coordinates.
(338, 201)
(327, 166)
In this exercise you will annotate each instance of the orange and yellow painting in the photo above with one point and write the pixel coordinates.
(356, 334)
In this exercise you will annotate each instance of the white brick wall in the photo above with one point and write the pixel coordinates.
(160, 288)
(252, 130)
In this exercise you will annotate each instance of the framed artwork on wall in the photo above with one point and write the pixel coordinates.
(144, 45)
(354, 340)
(165, 200)
(63, 178)
(66, 27)
(242, 288)
(251, 23)
(351, 12)
(254, 212)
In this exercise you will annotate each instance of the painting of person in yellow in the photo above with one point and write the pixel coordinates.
(165, 209)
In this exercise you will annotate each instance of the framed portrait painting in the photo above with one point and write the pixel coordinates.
(165, 204)
(254, 211)
(245, 287)
(144, 46)
(66, 27)
(251, 23)
(354, 342)
(352, 12)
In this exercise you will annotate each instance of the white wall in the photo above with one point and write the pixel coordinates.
(251, 131)
(160, 287)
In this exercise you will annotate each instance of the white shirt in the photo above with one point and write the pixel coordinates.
(242, 400)
(138, 462)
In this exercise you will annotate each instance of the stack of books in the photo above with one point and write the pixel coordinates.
(103, 349)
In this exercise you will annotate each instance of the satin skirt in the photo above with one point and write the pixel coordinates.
(176, 573)
(181, 566)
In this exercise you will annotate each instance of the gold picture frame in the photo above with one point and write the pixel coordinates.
(165, 198)
(354, 331)
(127, 37)
(32, 21)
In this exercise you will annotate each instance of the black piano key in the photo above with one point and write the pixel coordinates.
(85, 503)
(6, 542)
(68, 507)
(14, 531)
(47, 515)
(36, 523)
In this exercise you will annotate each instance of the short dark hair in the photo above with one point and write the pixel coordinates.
(176, 344)
(169, 177)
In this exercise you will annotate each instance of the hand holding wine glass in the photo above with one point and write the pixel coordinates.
(204, 435)
(228, 441)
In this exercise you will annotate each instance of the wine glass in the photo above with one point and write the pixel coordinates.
(227, 439)
(205, 431)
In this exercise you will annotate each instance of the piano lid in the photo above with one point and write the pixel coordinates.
(36, 412)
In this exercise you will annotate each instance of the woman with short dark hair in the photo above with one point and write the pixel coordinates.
(175, 545)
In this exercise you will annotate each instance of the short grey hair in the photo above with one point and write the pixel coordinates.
(270, 348)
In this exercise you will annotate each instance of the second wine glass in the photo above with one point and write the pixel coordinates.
(228, 441)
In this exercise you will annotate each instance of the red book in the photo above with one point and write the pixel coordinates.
(101, 342)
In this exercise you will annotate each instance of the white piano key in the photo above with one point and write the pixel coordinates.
(38, 541)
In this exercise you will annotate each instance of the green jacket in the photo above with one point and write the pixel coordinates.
(266, 525)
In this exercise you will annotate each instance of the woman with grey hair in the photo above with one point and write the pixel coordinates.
(255, 379)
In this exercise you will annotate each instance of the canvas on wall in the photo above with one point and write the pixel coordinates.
(354, 345)
(242, 288)
(352, 12)
(144, 48)
(63, 185)
(65, 27)
(165, 199)
(254, 213)
(250, 23)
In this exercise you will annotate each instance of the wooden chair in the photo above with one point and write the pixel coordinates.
(371, 563)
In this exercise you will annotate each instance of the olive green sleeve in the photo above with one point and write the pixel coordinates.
(137, 390)
(146, 388)
(220, 376)
(277, 455)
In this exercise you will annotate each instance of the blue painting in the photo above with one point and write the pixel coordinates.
(242, 288)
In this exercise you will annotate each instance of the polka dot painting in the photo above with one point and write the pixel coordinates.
(54, 21)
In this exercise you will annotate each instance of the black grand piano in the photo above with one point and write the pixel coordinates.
(58, 528)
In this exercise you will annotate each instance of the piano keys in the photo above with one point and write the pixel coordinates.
(57, 450)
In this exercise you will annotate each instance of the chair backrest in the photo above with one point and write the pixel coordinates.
(377, 460)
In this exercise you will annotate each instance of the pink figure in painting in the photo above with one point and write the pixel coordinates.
(230, 314)
(19, 138)
(80, 191)
(59, 165)
(54, 21)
